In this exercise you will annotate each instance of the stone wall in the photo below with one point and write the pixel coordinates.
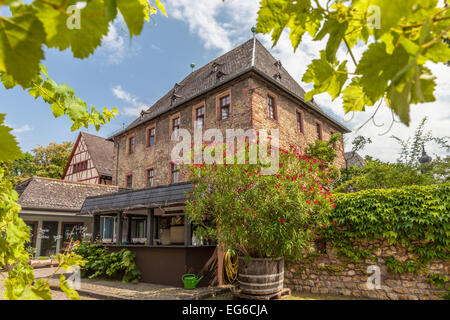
(328, 274)
(287, 120)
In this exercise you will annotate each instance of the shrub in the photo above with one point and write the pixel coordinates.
(262, 215)
(101, 263)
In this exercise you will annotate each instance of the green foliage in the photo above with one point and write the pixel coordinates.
(416, 217)
(99, 262)
(51, 23)
(405, 172)
(49, 162)
(324, 150)
(8, 144)
(391, 69)
(268, 215)
(377, 174)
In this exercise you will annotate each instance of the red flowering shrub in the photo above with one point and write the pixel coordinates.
(262, 215)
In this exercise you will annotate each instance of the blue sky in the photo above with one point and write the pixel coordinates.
(133, 75)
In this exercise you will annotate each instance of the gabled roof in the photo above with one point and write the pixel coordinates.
(249, 56)
(100, 150)
(40, 193)
(354, 159)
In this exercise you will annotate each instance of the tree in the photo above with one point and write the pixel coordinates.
(400, 37)
(51, 161)
(60, 24)
(21, 169)
(407, 170)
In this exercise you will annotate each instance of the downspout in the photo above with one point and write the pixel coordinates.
(116, 146)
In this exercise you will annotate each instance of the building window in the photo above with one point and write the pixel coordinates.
(200, 117)
(151, 137)
(175, 127)
(141, 229)
(300, 127)
(318, 131)
(108, 227)
(225, 107)
(130, 181)
(271, 107)
(175, 173)
(150, 178)
(131, 145)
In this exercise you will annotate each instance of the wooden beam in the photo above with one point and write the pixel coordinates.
(149, 227)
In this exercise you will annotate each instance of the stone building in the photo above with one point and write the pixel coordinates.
(246, 88)
(91, 160)
(242, 89)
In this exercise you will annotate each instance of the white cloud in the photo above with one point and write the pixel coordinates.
(224, 25)
(21, 129)
(116, 45)
(135, 106)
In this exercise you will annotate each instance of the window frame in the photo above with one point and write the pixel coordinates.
(132, 136)
(319, 130)
(148, 135)
(273, 97)
(195, 115)
(171, 128)
(126, 181)
(147, 171)
(219, 97)
(172, 171)
(300, 113)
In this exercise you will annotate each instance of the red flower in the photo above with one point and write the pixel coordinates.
(282, 220)
(323, 226)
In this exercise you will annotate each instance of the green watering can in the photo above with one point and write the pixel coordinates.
(190, 281)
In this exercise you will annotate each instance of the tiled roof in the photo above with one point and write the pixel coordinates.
(249, 56)
(54, 194)
(101, 152)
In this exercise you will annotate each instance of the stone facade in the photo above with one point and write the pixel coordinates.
(330, 275)
(248, 95)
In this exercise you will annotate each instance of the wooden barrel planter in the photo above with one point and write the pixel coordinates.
(261, 276)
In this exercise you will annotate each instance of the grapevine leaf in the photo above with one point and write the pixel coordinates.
(377, 68)
(336, 30)
(134, 12)
(42, 289)
(21, 38)
(111, 9)
(161, 7)
(391, 12)
(67, 288)
(63, 32)
(399, 101)
(9, 148)
(324, 77)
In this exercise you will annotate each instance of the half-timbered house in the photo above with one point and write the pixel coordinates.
(91, 160)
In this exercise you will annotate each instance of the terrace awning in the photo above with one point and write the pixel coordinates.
(126, 201)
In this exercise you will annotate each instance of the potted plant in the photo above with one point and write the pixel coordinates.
(264, 218)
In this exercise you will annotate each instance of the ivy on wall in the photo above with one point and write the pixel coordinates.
(417, 217)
